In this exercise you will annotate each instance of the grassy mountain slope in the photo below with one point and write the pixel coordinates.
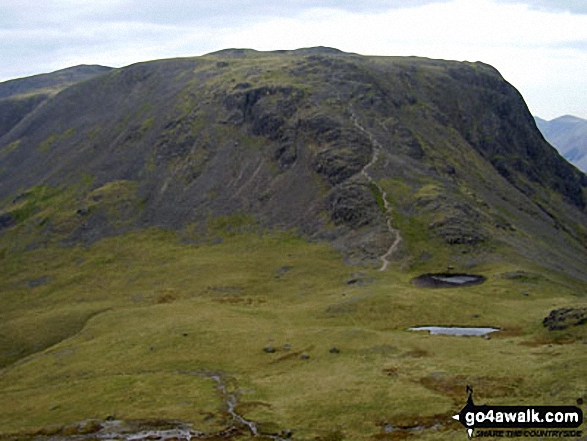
(569, 135)
(162, 224)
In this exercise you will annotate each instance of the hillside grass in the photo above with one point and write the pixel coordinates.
(123, 327)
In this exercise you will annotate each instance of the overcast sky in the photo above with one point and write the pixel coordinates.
(540, 46)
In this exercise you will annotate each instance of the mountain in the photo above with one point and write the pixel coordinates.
(569, 135)
(282, 138)
(19, 97)
(234, 243)
(50, 82)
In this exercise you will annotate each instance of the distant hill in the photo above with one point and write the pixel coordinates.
(50, 82)
(20, 96)
(569, 135)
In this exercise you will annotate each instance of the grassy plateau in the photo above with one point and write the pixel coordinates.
(124, 327)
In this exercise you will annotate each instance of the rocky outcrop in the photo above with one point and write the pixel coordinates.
(560, 319)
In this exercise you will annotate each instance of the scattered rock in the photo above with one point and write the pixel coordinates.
(282, 271)
(359, 279)
(425, 257)
(304, 356)
(269, 349)
(521, 276)
(20, 197)
(391, 371)
(334, 350)
(286, 347)
(560, 319)
(138, 298)
(33, 283)
(6, 220)
(88, 427)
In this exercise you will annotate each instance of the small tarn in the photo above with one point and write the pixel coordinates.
(447, 280)
(441, 330)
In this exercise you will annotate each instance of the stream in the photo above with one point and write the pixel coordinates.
(117, 430)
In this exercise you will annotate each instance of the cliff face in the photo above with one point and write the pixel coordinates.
(329, 144)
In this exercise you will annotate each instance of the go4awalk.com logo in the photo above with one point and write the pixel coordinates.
(519, 421)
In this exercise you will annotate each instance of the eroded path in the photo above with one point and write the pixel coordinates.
(377, 149)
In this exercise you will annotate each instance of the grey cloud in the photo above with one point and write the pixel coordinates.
(572, 6)
(38, 33)
(218, 12)
(68, 13)
(580, 45)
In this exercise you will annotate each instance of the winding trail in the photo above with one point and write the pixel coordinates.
(377, 149)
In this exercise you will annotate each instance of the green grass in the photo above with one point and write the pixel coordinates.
(231, 225)
(45, 146)
(31, 202)
(378, 197)
(10, 148)
(147, 124)
(117, 327)
(45, 215)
